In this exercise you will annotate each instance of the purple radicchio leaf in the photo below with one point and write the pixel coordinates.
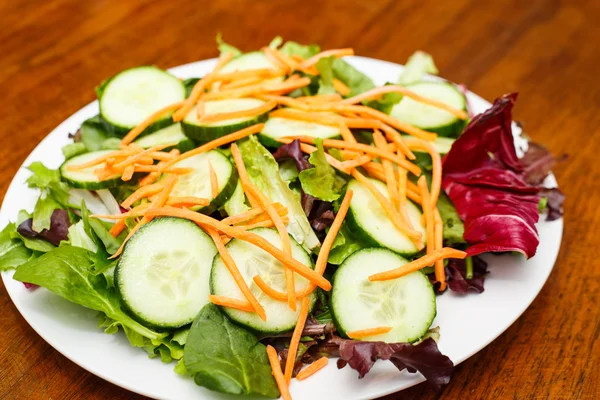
(424, 357)
(555, 199)
(538, 162)
(292, 150)
(456, 272)
(59, 228)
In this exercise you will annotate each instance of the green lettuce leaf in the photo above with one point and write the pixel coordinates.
(224, 357)
(343, 246)
(351, 77)
(321, 181)
(54, 194)
(73, 149)
(94, 133)
(263, 170)
(325, 68)
(290, 48)
(418, 65)
(237, 202)
(276, 42)
(454, 228)
(66, 271)
(225, 47)
(13, 252)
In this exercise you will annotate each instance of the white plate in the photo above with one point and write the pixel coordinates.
(468, 323)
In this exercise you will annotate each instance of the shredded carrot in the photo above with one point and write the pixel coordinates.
(235, 273)
(187, 201)
(346, 134)
(403, 193)
(357, 162)
(135, 132)
(230, 302)
(395, 137)
(261, 73)
(380, 330)
(311, 149)
(139, 157)
(223, 140)
(427, 213)
(297, 57)
(276, 295)
(243, 176)
(277, 374)
(281, 209)
(208, 222)
(375, 170)
(314, 117)
(312, 368)
(241, 83)
(200, 108)
(96, 161)
(295, 341)
(128, 173)
(117, 228)
(429, 259)
(327, 53)
(394, 217)
(341, 87)
(440, 273)
(135, 212)
(284, 87)
(275, 59)
(339, 144)
(243, 217)
(380, 91)
(214, 181)
(161, 156)
(268, 223)
(157, 168)
(388, 169)
(263, 108)
(282, 58)
(436, 162)
(129, 235)
(142, 192)
(320, 98)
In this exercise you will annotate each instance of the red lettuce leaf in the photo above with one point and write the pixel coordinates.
(59, 228)
(485, 180)
(456, 272)
(292, 151)
(554, 203)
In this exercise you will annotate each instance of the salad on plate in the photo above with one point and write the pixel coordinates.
(253, 223)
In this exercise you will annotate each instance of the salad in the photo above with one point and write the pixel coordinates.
(282, 210)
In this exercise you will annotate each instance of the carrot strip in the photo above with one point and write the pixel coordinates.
(320, 98)
(311, 149)
(281, 209)
(403, 193)
(327, 53)
(275, 60)
(277, 374)
(142, 192)
(214, 181)
(341, 87)
(261, 73)
(230, 302)
(223, 140)
(139, 157)
(142, 222)
(368, 332)
(96, 161)
(135, 132)
(295, 341)
(157, 168)
(208, 222)
(263, 108)
(276, 295)
(135, 212)
(200, 108)
(441, 254)
(440, 272)
(282, 88)
(388, 169)
(314, 117)
(282, 58)
(395, 137)
(357, 162)
(339, 144)
(243, 176)
(243, 217)
(395, 218)
(117, 228)
(380, 91)
(346, 134)
(262, 224)
(128, 173)
(241, 83)
(427, 213)
(188, 201)
(161, 156)
(436, 161)
(312, 368)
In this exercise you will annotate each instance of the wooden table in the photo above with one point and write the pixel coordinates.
(53, 54)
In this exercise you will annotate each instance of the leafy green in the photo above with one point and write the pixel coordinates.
(224, 357)
(54, 194)
(78, 237)
(237, 202)
(454, 228)
(386, 102)
(291, 48)
(343, 246)
(66, 271)
(351, 77)
(288, 170)
(180, 368)
(73, 149)
(225, 47)
(325, 68)
(35, 244)
(263, 170)
(276, 42)
(112, 143)
(189, 85)
(94, 133)
(321, 181)
(13, 251)
(418, 65)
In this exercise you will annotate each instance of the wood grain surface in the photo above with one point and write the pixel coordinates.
(53, 53)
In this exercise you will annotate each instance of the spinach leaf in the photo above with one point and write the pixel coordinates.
(54, 194)
(321, 181)
(226, 358)
(325, 68)
(291, 48)
(66, 271)
(351, 77)
(12, 250)
(94, 133)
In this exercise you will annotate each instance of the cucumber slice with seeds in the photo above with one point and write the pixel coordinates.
(204, 133)
(428, 117)
(170, 134)
(85, 178)
(163, 274)
(197, 182)
(133, 95)
(252, 261)
(405, 304)
(277, 127)
(369, 223)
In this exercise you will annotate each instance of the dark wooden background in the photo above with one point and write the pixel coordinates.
(54, 52)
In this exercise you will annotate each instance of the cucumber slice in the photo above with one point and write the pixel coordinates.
(170, 134)
(276, 128)
(252, 261)
(197, 182)
(371, 226)
(85, 178)
(441, 144)
(248, 61)
(428, 117)
(163, 274)
(406, 304)
(204, 133)
(133, 95)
